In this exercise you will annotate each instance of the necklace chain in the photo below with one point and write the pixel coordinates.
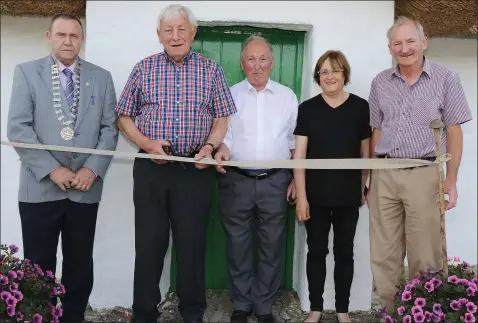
(55, 72)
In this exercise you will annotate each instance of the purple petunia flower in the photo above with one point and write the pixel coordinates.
(407, 319)
(37, 318)
(453, 279)
(13, 287)
(428, 316)
(18, 295)
(470, 291)
(419, 317)
(470, 307)
(429, 287)
(401, 310)
(3, 279)
(455, 305)
(437, 308)
(20, 274)
(13, 248)
(416, 310)
(468, 318)
(406, 296)
(408, 287)
(420, 302)
(12, 274)
(19, 316)
(388, 319)
(4, 295)
(49, 274)
(465, 265)
(436, 282)
(438, 317)
(62, 289)
(463, 301)
(11, 310)
(462, 281)
(475, 280)
(11, 301)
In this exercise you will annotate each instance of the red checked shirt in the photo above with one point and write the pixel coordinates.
(177, 102)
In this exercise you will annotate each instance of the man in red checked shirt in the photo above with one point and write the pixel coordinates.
(180, 100)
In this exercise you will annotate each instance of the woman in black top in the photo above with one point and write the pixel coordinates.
(333, 124)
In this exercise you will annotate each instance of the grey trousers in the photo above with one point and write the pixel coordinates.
(254, 207)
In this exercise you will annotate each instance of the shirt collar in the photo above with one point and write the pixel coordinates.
(269, 86)
(185, 58)
(61, 66)
(426, 68)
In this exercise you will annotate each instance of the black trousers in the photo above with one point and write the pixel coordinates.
(42, 224)
(344, 221)
(176, 196)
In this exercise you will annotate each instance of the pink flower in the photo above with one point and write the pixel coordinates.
(436, 282)
(470, 291)
(407, 319)
(13, 287)
(471, 307)
(11, 301)
(12, 274)
(13, 248)
(419, 317)
(4, 295)
(37, 318)
(463, 301)
(406, 296)
(18, 295)
(49, 274)
(420, 302)
(468, 318)
(428, 316)
(388, 319)
(475, 280)
(463, 282)
(416, 310)
(456, 259)
(438, 318)
(429, 287)
(465, 265)
(3, 280)
(19, 316)
(453, 279)
(20, 274)
(401, 310)
(11, 310)
(437, 308)
(62, 289)
(455, 305)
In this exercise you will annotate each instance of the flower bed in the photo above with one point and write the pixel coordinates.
(27, 293)
(433, 297)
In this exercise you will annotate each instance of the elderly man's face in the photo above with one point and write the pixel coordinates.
(65, 38)
(257, 62)
(176, 36)
(406, 46)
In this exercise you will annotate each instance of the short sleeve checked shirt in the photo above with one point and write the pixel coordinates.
(403, 113)
(176, 102)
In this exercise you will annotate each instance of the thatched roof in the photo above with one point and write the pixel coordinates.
(442, 18)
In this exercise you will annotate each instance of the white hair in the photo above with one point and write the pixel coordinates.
(255, 37)
(403, 21)
(175, 11)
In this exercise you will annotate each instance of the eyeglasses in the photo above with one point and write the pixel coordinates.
(327, 73)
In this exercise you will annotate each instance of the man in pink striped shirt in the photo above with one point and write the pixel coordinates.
(404, 203)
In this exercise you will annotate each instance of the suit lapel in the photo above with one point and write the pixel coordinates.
(45, 73)
(87, 83)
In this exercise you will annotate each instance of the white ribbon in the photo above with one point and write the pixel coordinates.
(346, 163)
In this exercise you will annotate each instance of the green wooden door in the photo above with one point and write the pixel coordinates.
(223, 44)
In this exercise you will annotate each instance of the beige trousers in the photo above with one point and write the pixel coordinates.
(404, 220)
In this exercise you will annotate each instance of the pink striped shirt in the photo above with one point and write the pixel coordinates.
(403, 113)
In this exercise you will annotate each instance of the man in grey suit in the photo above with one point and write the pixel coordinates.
(66, 101)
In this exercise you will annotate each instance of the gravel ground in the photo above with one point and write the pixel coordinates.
(285, 309)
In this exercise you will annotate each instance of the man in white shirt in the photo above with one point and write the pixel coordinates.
(253, 202)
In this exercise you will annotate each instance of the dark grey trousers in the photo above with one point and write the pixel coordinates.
(254, 207)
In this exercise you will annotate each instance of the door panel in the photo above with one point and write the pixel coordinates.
(223, 44)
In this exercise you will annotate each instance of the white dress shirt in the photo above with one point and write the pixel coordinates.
(63, 78)
(263, 127)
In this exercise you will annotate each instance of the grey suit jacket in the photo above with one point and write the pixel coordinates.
(32, 119)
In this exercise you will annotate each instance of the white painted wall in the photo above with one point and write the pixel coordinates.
(461, 55)
(117, 41)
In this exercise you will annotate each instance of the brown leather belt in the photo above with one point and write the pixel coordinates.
(255, 173)
(423, 158)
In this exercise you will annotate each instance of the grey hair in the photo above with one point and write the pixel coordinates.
(175, 11)
(403, 21)
(252, 38)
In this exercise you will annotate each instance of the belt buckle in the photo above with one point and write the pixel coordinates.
(262, 175)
